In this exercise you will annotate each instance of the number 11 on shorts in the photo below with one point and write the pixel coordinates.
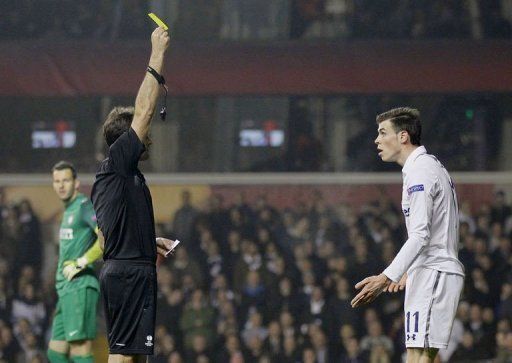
(416, 317)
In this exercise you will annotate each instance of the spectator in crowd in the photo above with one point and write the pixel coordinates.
(273, 342)
(505, 304)
(376, 341)
(164, 345)
(504, 347)
(253, 294)
(30, 250)
(466, 352)
(3, 211)
(11, 237)
(231, 351)
(317, 310)
(5, 299)
(199, 350)
(254, 328)
(185, 217)
(495, 25)
(482, 334)
(319, 343)
(353, 353)
(9, 347)
(308, 355)
(500, 211)
(197, 319)
(183, 266)
(26, 306)
(291, 351)
(288, 324)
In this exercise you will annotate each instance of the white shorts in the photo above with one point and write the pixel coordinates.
(431, 300)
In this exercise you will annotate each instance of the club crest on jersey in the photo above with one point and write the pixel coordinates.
(415, 188)
(66, 233)
(407, 211)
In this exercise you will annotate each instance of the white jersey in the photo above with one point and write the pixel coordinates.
(429, 204)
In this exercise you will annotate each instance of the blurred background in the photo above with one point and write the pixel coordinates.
(265, 168)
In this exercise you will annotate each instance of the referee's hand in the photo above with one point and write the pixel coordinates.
(160, 41)
(166, 247)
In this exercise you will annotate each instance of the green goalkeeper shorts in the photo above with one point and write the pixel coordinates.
(75, 315)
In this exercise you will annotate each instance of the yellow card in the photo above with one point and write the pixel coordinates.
(158, 21)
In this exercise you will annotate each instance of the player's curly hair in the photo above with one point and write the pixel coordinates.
(117, 122)
(404, 119)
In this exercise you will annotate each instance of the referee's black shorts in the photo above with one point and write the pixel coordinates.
(129, 299)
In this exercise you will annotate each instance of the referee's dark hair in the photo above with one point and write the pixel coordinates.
(404, 119)
(63, 165)
(118, 122)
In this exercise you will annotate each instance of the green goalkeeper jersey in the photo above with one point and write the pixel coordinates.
(77, 234)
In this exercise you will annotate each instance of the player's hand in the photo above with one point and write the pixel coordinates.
(160, 41)
(372, 287)
(73, 267)
(166, 247)
(397, 286)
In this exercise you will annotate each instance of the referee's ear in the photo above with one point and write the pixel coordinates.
(77, 184)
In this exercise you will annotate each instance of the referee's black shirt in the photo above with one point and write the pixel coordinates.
(123, 204)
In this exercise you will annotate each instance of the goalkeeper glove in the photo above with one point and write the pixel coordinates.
(73, 267)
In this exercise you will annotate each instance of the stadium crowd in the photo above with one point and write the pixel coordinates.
(65, 19)
(247, 19)
(256, 283)
(25, 299)
(412, 19)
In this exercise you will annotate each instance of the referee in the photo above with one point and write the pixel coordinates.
(124, 211)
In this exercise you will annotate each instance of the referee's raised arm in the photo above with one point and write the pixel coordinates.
(146, 99)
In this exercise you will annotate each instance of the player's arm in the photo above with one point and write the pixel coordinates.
(101, 240)
(73, 267)
(146, 99)
(421, 189)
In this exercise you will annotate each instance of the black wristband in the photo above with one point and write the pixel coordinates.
(159, 78)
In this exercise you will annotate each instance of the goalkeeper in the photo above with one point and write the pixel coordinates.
(74, 323)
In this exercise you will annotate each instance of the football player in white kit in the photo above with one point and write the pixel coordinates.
(427, 264)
